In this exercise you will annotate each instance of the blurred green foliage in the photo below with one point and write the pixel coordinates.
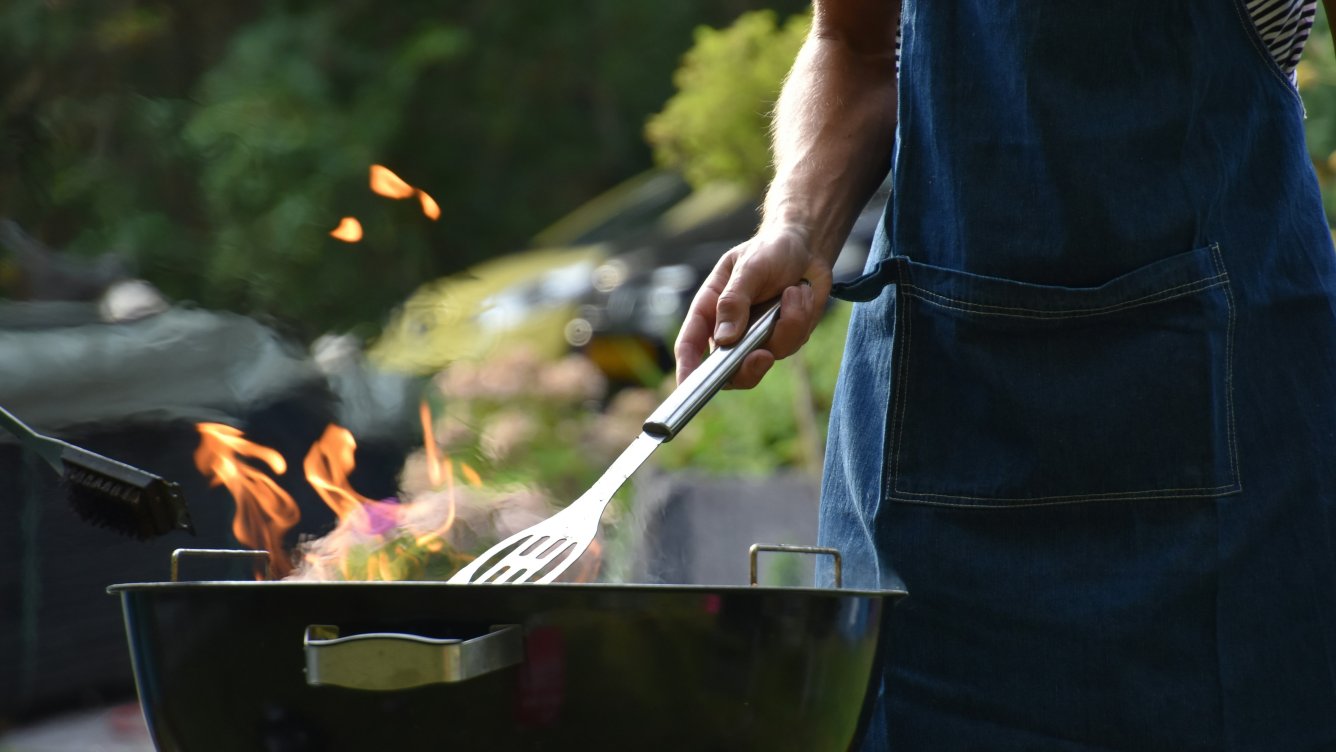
(216, 144)
(715, 127)
(522, 418)
(1317, 84)
(781, 423)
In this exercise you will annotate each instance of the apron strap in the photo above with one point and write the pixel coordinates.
(870, 284)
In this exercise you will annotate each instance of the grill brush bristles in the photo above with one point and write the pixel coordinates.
(105, 492)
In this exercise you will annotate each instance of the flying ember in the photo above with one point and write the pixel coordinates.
(429, 206)
(349, 230)
(385, 183)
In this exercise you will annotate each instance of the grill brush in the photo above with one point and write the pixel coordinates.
(105, 492)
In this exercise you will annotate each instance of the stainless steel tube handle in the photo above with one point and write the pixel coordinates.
(706, 381)
(388, 661)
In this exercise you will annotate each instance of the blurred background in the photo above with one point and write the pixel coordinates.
(377, 283)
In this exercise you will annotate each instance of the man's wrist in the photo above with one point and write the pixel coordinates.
(804, 227)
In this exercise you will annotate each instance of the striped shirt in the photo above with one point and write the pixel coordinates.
(1284, 26)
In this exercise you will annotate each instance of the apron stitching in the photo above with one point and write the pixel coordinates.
(1221, 279)
(1047, 501)
(985, 309)
(1229, 371)
(1107, 495)
(903, 386)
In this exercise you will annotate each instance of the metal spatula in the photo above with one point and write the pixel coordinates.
(542, 552)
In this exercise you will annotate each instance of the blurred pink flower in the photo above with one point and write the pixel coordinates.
(505, 432)
(459, 381)
(509, 374)
(574, 378)
(622, 421)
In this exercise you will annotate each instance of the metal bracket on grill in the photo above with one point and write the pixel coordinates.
(785, 548)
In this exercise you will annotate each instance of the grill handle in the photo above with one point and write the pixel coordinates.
(788, 549)
(390, 661)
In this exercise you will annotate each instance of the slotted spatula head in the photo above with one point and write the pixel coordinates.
(539, 553)
(542, 552)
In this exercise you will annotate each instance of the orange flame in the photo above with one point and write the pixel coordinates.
(471, 476)
(439, 469)
(327, 466)
(265, 512)
(349, 230)
(429, 444)
(429, 206)
(385, 183)
(374, 540)
(434, 540)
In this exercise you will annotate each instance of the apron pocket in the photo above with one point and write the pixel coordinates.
(1013, 394)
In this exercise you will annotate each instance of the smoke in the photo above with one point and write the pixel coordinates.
(425, 537)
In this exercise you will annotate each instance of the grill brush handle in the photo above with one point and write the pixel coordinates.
(712, 375)
(43, 446)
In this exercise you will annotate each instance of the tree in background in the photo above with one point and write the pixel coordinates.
(1316, 76)
(714, 128)
(216, 144)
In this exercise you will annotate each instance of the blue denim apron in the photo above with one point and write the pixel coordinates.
(1087, 413)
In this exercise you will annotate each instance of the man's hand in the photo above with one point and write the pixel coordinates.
(834, 128)
(773, 263)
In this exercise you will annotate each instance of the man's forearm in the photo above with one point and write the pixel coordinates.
(835, 122)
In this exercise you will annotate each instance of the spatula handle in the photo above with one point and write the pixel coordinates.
(706, 381)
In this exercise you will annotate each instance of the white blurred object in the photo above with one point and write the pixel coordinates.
(370, 402)
(131, 300)
(116, 729)
(333, 353)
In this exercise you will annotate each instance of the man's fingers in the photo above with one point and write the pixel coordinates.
(747, 275)
(796, 316)
(698, 326)
(734, 312)
(734, 306)
(754, 366)
(691, 343)
(799, 311)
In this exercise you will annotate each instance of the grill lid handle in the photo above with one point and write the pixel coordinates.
(390, 661)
